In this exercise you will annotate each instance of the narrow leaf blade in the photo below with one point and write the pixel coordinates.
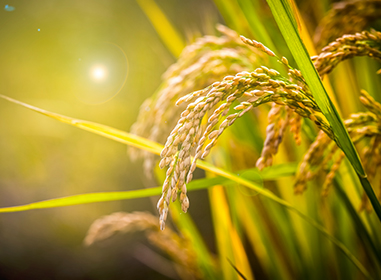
(283, 15)
(282, 12)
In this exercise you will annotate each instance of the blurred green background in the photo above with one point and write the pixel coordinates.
(93, 60)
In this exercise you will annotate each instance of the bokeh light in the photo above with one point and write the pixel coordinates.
(102, 72)
(98, 73)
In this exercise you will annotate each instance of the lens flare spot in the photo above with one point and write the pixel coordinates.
(98, 73)
(9, 8)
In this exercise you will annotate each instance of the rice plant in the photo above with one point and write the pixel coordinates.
(255, 114)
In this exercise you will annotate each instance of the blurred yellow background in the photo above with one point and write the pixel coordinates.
(92, 60)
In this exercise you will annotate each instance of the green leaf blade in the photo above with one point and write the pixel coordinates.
(286, 21)
(282, 12)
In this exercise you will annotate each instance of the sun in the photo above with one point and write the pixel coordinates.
(98, 73)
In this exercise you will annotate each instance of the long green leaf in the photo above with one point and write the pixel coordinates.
(284, 16)
(100, 129)
(83, 199)
(275, 172)
(360, 227)
(287, 23)
(153, 147)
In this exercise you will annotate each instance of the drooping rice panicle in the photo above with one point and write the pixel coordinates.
(372, 160)
(295, 122)
(331, 174)
(371, 104)
(346, 17)
(177, 247)
(361, 126)
(261, 86)
(274, 133)
(348, 46)
(258, 45)
(313, 157)
(208, 60)
(292, 101)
